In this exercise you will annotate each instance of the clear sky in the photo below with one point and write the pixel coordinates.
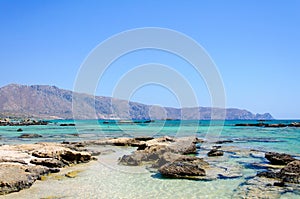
(254, 43)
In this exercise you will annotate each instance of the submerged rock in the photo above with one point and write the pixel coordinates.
(72, 174)
(67, 124)
(30, 135)
(215, 152)
(224, 141)
(279, 158)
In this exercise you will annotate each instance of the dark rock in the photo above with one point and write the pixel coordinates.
(141, 147)
(74, 134)
(268, 174)
(19, 130)
(31, 135)
(67, 124)
(215, 152)
(181, 170)
(224, 141)
(261, 124)
(291, 172)
(54, 170)
(279, 158)
(144, 138)
(51, 163)
(75, 157)
(38, 171)
(26, 122)
(278, 184)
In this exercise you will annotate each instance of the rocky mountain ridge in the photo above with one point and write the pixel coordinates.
(51, 102)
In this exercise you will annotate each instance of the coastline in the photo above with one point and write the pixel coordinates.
(148, 157)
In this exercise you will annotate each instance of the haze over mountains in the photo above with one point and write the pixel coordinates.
(50, 102)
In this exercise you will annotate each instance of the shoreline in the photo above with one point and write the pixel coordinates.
(172, 158)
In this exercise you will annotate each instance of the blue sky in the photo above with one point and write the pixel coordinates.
(254, 43)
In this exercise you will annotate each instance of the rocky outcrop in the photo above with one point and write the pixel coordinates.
(155, 149)
(15, 177)
(261, 124)
(22, 165)
(288, 174)
(75, 157)
(224, 141)
(291, 172)
(45, 101)
(61, 152)
(169, 156)
(26, 122)
(180, 169)
(215, 152)
(279, 158)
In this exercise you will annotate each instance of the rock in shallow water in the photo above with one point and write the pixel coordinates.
(215, 152)
(291, 172)
(30, 135)
(279, 158)
(181, 170)
(155, 148)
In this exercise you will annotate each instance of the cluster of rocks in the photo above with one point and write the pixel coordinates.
(22, 165)
(290, 173)
(282, 176)
(280, 125)
(169, 156)
(25, 122)
(176, 158)
(172, 157)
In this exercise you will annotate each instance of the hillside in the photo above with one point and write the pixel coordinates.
(42, 101)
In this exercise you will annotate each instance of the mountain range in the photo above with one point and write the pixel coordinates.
(51, 102)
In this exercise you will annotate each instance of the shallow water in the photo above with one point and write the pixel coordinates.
(106, 179)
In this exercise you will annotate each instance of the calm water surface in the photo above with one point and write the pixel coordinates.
(106, 179)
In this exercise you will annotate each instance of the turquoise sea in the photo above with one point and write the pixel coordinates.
(106, 179)
(266, 139)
